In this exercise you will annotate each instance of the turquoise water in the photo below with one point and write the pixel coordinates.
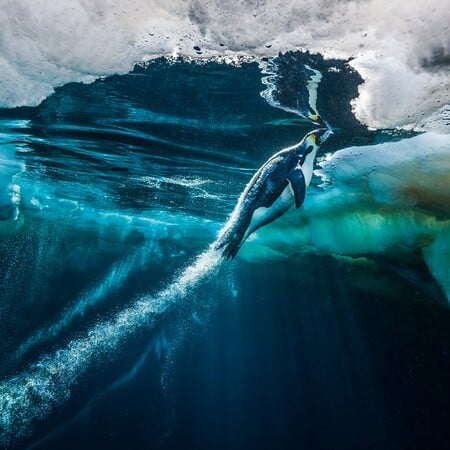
(122, 328)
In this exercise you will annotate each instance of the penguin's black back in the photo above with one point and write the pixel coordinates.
(262, 191)
(268, 183)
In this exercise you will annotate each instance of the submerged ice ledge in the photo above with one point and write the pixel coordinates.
(390, 200)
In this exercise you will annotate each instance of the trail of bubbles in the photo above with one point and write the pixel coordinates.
(164, 347)
(32, 395)
(112, 281)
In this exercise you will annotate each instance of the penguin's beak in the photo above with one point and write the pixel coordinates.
(324, 136)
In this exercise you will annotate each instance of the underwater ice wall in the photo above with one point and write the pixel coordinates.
(400, 48)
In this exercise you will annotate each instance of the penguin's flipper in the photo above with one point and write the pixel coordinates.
(298, 185)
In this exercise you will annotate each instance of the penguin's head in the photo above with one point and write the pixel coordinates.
(316, 138)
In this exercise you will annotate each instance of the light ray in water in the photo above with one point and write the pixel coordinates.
(164, 347)
(125, 378)
(32, 395)
(111, 282)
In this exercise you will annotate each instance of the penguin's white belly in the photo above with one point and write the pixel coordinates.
(307, 167)
(262, 216)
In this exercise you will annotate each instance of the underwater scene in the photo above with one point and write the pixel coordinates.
(224, 225)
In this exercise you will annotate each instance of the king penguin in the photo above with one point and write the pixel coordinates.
(280, 183)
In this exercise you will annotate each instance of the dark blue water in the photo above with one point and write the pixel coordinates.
(123, 182)
(288, 363)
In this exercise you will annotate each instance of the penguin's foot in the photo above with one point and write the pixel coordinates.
(230, 246)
